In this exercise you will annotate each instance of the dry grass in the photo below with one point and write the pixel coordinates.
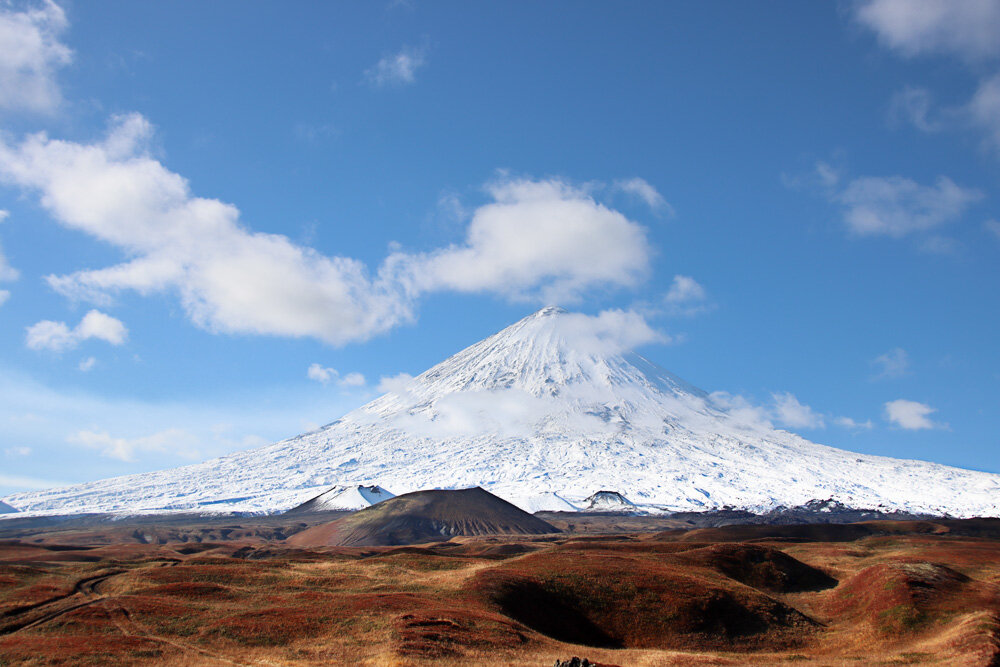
(907, 598)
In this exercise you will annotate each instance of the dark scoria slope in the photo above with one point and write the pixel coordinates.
(425, 516)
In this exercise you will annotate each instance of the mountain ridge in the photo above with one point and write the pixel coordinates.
(551, 407)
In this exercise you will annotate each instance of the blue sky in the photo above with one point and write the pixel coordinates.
(225, 223)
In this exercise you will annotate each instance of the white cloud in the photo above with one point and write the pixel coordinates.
(58, 337)
(87, 365)
(790, 412)
(175, 440)
(741, 410)
(984, 109)
(4, 295)
(639, 187)
(321, 374)
(30, 54)
(910, 415)
(967, 28)
(96, 324)
(17, 451)
(353, 380)
(397, 69)
(609, 332)
(893, 364)
(541, 240)
(686, 297)
(229, 279)
(395, 384)
(784, 409)
(848, 423)
(896, 206)
(326, 375)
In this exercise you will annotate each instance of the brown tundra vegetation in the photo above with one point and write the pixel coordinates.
(876, 593)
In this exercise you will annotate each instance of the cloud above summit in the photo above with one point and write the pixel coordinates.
(537, 240)
(544, 241)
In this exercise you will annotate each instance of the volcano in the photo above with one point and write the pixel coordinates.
(548, 411)
(425, 516)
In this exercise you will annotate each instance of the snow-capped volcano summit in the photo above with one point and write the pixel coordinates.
(549, 410)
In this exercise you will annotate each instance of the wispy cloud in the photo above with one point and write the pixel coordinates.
(397, 69)
(892, 364)
(896, 206)
(641, 189)
(686, 297)
(992, 227)
(784, 409)
(177, 441)
(984, 110)
(967, 29)
(914, 106)
(7, 272)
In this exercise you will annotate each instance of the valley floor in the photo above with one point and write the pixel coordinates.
(879, 593)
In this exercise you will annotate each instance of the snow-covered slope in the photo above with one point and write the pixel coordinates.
(546, 409)
(608, 501)
(345, 498)
(6, 509)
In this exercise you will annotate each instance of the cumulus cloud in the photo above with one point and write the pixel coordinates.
(30, 55)
(910, 415)
(967, 28)
(326, 375)
(398, 69)
(895, 206)
(542, 240)
(641, 189)
(58, 337)
(539, 241)
(893, 364)
(177, 441)
(609, 332)
(790, 412)
(228, 278)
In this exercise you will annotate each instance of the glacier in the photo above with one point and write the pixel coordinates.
(543, 414)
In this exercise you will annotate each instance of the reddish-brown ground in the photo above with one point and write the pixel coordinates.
(875, 595)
